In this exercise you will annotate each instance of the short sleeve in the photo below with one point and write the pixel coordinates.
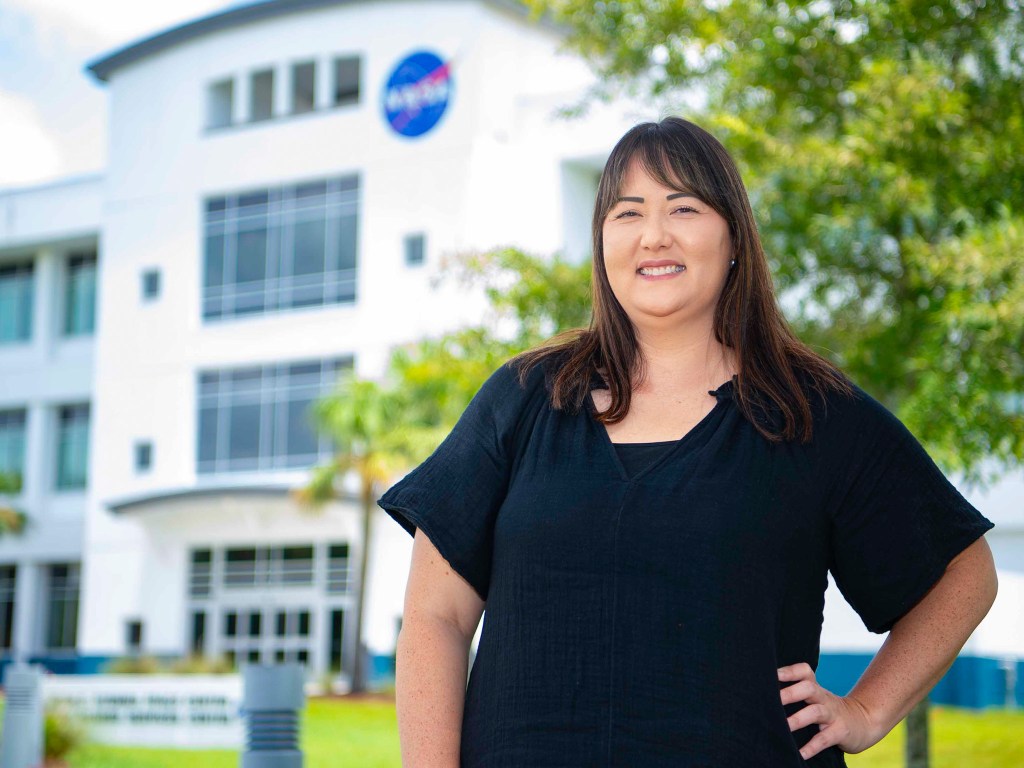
(898, 522)
(455, 494)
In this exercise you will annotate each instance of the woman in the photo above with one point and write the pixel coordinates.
(648, 510)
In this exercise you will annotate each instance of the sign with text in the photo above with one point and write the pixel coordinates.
(200, 711)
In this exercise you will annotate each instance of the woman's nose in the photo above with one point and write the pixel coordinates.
(655, 234)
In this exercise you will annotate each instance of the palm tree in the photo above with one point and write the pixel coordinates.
(377, 434)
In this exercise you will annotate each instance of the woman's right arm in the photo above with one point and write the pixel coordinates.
(431, 661)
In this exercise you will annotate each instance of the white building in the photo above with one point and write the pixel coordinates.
(283, 180)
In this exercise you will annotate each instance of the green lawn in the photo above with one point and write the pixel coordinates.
(363, 734)
(336, 733)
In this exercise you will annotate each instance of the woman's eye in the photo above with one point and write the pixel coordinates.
(686, 209)
(624, 214)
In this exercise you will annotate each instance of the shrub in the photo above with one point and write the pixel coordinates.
(201, 665)
(133, 665)
(61, 732)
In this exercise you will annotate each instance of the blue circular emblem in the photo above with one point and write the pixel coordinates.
(417, 93)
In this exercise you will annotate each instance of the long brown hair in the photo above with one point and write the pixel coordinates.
(775, 366)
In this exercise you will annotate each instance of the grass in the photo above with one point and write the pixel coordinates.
(343, 733)
(335, 733)
(992, 738)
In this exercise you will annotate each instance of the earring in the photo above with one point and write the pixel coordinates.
(732, 263)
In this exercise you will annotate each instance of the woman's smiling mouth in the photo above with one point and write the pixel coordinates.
(658, 271)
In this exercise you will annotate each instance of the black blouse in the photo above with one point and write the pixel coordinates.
(636, 456)
(636, 616)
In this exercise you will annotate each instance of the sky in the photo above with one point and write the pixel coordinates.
(53, 114)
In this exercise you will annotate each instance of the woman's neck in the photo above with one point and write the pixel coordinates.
(682, 362)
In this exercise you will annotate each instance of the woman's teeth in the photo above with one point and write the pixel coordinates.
(661, 270)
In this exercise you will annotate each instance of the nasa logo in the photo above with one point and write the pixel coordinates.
(417, 93)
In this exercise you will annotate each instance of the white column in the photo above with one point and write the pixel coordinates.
(282, 89)
(29, 609)
(324, 82)
(47, 298)
(240, 109)
(40, 462)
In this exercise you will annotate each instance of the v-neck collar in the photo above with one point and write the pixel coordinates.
(722, 394)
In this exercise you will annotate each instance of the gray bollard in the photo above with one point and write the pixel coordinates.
(272, 697)
(23, 717)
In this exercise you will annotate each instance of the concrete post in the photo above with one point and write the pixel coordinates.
(23, 717)
(272, 698)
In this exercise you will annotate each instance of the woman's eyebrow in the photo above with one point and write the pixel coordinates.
(673, 196)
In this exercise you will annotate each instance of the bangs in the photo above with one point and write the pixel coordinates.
(670, 157)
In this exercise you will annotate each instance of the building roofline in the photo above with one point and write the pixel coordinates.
(144, 500)
(104, 66)
(61, 181)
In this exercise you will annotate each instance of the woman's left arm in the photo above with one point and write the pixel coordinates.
(921, 646)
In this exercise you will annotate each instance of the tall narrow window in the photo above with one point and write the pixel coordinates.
(199, 580)
(150, 284)
(72, 446)
(261, 95)
(16, 282)
(338, 577)
(303, 87)
(220, 99)
(62, 614)
(133, 636)
(80, 297)
(346, 80)
(12, 448)
(415, 247)
(197, 637)
(143, 456)
(8, 582)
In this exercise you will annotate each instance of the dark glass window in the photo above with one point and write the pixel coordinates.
(415, 247)
(8, 585)
(303, 87)
(346, 80)
(151, 284)
(62, 614)
(80, 295)
(72, 446)
(198, 636)
(220, 97)
(260, 418)
(12, 449)
(16, 288)
(261, 95)
(133, 635)
(200, 575)
(281, 248)
(143, 456)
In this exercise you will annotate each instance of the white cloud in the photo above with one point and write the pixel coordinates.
(28, 153)
(109, 22)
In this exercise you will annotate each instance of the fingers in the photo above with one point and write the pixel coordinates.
(801, 671)
(822, 740)
(812, 713)
(805, 690)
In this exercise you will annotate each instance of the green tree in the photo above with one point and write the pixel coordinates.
(382, 429)
(377, 432)
(529, 298)
(879, 140)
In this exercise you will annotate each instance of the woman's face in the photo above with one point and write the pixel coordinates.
(666, 252)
